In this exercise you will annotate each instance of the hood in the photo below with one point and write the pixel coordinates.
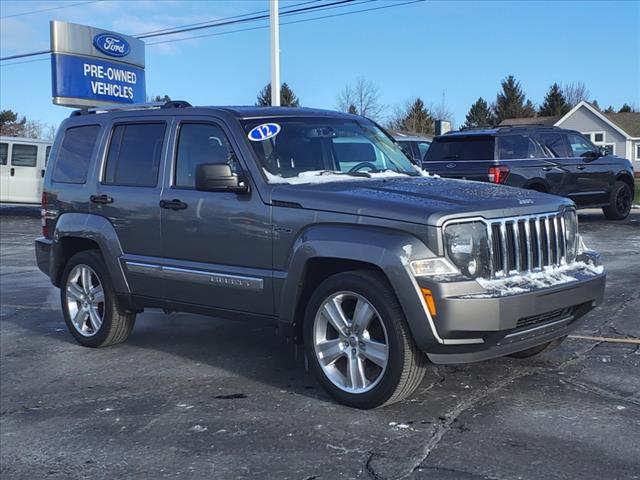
(423, 200)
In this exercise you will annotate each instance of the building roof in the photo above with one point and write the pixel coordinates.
(546, 121)
(627, 121)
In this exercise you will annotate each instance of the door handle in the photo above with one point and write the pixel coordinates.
(547, 169)
(13, 171)
(42, 173)
(102, 199)
(581, 167)
(174, 204)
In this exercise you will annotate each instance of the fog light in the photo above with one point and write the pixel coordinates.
(472, 267)
(428, 298)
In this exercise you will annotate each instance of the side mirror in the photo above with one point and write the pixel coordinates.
(603, 151)
(218, 177)
(592, 155)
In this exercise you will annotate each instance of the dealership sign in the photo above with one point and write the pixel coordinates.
(93, 67)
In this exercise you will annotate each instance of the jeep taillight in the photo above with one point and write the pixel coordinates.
(498, 174)
(43, 214)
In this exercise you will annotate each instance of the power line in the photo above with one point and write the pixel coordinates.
(25, 61)
(48, 9)
(222, 22)
(288, 23)
(244, 20)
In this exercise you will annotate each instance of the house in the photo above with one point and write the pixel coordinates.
(619, 132)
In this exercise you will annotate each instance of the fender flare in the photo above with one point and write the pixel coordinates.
(389, 250)
(97, 229)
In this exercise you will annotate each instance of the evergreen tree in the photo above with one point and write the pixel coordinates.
(287, 97)
(352, 109)
(480, 115)
(554, 104)
(625, 109)
(415, 117)
(609, 109)
(511, 101)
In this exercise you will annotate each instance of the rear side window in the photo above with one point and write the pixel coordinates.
(4, 153)
(423, 148)
(461, 148)
(74, 156)
(557, 144)
(135, 152)
(46, 154)
(511, 147)
(24, 155)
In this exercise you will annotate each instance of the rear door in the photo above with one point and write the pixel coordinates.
(4, 171)
(461, 156)
(128, 195)
(25, 177)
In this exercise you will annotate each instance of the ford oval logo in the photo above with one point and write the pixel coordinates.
(111, 44)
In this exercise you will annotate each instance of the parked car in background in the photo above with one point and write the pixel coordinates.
(546, 159)
(415, 145)
(22, 167)
(265, 214)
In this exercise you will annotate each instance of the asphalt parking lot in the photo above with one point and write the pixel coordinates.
(195, 397)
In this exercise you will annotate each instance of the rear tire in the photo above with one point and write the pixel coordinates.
(358, 343)
(619, 202)
(538, 349)
(89, 302)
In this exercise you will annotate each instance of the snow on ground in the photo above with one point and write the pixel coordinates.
(549, 277)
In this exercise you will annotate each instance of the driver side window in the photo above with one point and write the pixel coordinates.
(579, 145)
(200, 143)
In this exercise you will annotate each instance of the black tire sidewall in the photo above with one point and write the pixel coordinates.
(92, 259)
(612, 211)
(377, 292)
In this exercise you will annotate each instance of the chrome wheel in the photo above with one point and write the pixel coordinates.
(350, 342)
(85, 300)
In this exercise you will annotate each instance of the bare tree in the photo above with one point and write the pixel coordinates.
(440, 111)
(362, 98)
(575, 92)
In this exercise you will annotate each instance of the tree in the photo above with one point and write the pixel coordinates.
(159, 98)
(440, 111)
(554, 104)
(287, 97)
(595, 104)
(574, 93)
(609, 109)
(511, 101)
(626, 108)
(413, 117)
(480, 115)
(12, 125)
(362, 99)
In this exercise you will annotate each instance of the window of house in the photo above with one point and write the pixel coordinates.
(24, 155)
(74, 155)
(637, 151)
(201, 143)
(598, 137)
(4, 153)
(135, 153)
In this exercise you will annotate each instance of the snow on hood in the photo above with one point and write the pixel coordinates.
(549, 277)
(326, 176)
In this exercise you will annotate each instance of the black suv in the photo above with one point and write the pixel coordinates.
(546, 159)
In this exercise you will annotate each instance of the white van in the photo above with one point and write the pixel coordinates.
(22, 165)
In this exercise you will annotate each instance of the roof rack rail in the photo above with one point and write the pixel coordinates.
(484, 127)
(524, 125)
(132, 106)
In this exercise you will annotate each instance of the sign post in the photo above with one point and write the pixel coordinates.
(274, 23)
(92, 67)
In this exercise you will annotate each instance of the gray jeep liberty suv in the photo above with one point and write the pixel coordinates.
(270, 214)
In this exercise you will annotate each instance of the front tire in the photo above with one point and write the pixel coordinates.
(89, 302)
(619, 202)
(358, 343)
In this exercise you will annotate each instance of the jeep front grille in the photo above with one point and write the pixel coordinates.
(526, 243)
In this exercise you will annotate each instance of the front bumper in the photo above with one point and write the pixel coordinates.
(476, 323)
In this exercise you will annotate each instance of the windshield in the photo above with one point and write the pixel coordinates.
(303, 148)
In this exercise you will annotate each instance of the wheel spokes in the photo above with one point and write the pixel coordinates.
(74, 292)
(85, 274)
(80, 319)
(355, 373)
(98, 295)
(336, 317)
(329, 351)
(376, 352)
(94, 319)
(362, 315)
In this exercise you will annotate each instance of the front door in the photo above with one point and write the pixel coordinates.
(128, 195)
(594, 173)
(25, 177)
(216, 245)
(4, 172)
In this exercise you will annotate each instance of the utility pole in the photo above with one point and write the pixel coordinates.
(274, 22)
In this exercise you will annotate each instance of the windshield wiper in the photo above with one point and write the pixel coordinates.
(350, 174)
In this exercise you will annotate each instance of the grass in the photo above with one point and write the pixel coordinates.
(636, 197)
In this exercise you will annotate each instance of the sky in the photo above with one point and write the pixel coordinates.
(454, 51)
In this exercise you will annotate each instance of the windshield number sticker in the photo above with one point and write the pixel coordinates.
(264, 132)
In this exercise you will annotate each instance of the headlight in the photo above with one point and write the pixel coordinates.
(468, 248)
(571, 234)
